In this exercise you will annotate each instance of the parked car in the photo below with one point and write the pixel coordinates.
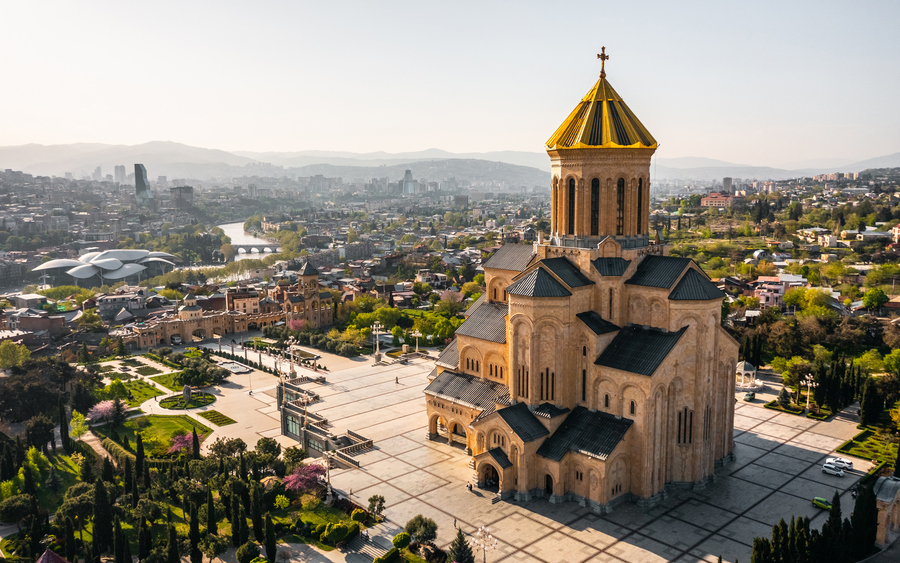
(832, 469)
(841, 462)
(749, 396)
(820, 502)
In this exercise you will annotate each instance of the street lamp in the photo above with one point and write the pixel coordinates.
(810, 384)
(416, 334)
(484, 541)
(376, 331)
(290, 350)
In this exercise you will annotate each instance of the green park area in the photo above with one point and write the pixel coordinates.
(177, 402)
(140, 391)
(157, 432)
(169, 381)
(217, 418)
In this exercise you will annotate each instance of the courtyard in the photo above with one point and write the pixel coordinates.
(775, 473)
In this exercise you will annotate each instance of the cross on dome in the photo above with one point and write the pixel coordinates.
(603, 58)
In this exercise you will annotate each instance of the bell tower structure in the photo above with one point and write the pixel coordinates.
(600, 160)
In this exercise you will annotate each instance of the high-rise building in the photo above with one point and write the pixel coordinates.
(726, 184)
(409, 185)
(120, 174)
(142, 184)
(182, 196)
(98, 174)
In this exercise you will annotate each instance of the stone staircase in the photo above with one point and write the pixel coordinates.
(368, 548)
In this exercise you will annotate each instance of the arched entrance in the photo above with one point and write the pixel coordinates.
(199, 335)
(489, 478)
(457, 435)
(548, 485)
(252, 326)
(437, 428)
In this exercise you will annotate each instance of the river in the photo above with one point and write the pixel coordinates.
(235, 231)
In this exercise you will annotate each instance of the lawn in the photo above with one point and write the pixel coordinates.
(156, 430)
(147, 370)
(141, 391)
(197, 400)
(168, 381)
(872, 445)
(131, 362)
(217, 418)
(68, 473)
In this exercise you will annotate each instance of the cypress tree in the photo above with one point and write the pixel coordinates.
(256, 514)
(194, 536)
(147, 476)
(172, 555)
(64, 426)
(28, 486)
(126, 549)
(88, 556)
(103, 525)
(127, 475)
(242, 472)
(70, 540)
(779, 541)
(135, 496)
(35, 534)
(461, 552)
(792, 540)
(196, 444)
(86, 471)
(235, 521)
(144, 539)
(762, 551)
(118, 550)
(211, 526)
(108, 472)
(139, 458)
(245, 532)
(864, 521)
(270, 539)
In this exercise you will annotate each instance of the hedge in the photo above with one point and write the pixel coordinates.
(776, 407)
(392, 555)
(117, 452)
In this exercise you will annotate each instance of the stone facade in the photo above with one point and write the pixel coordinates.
(595, 367)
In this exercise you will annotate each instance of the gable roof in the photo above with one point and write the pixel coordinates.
(488, 322)
(500, 457)
(515, 257)
(567, 272)
(522, 422)
(595, 434)
(449, 358)
(695, 286)
(481, 299)
(639, 350)
(549, 410)
(597, 323)
(658, 271)
(469, 390)
(611, 266)
(307, 269)
(538, 284)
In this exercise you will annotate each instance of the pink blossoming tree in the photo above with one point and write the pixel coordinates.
(180, 443)
(102, 410)
(304, 478)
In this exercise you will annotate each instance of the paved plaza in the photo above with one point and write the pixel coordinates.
(775, 474)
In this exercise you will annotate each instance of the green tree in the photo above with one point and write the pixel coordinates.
(401, 540)
(422, 529)
(103, 519)
(172, 552)
(63, 424)
(194, 536)
(195, 445)
(211, 522)
(376, 504)
(139, 457)
(121, 350)
(874, 299)
(460, 551)
(271, 549)
(12, 354)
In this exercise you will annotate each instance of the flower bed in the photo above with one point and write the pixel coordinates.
(790, 410)
(870, 444)
(147, 370)
(217, 418)
(176, 402)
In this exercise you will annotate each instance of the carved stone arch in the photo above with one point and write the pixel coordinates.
(497, 289)
(470, 352)
(603, 386)
(493, 361)
(632, 393)
(480, 442)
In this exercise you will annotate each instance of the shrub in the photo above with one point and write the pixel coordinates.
(117, 452)
(334, 533)
(352, 531)
(359, 515)
(392, 555)
(401, 540)
(247, 552)
(319, 529)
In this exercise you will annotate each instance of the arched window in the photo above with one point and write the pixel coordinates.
(570, 223)
(595, 206)
(495, 294)
(584, 350)
(620, 206)
(606, 400)
(640, 207)
(632, 407)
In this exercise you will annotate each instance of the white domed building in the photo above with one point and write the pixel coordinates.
(108, 267)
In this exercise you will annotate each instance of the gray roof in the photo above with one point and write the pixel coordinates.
(567, 272)
(659, 271)
(597, 323)
(515, 257)
(639, 350)
(595, 434)
(500, 457)
(325, 295)
(538, 284)
(549, 410)
(886, 489)
(695, 286)
(307, 269)
(469, 390)
(449, 358)
(611, 266)
(522, 422)
(481, 299)
(488, 322)
(296, 298)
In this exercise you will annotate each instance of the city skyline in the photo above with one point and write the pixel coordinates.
(769, 84)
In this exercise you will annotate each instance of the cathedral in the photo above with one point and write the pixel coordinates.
(594, 368)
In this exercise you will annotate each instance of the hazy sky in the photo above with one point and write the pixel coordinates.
(758, 82)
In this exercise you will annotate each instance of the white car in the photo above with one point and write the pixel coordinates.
(840, 462)
(832, 469)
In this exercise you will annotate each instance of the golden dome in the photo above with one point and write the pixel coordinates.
(601, 120)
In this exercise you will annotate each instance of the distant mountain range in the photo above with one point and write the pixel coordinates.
(175, 160)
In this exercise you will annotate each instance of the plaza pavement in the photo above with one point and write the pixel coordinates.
(775, 474)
